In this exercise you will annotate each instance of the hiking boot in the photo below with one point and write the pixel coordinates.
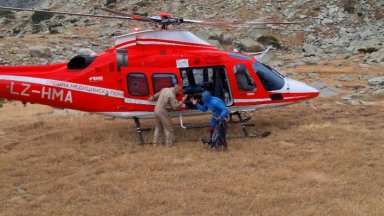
(206, 140)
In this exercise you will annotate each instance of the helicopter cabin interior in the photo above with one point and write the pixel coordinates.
(200, 79)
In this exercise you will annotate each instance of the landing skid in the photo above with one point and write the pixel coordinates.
(241, 119)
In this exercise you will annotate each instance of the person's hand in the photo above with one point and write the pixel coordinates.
(194, 101)
(185, 98)
(150, 98)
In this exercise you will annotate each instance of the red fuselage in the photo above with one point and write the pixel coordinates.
(119, 81)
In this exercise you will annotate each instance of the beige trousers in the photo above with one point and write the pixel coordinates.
(163, 124)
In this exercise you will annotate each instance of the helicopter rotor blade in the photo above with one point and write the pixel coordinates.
(72, 14)
(236, 23)
(134, 17)
(164, 19)
(202, 22)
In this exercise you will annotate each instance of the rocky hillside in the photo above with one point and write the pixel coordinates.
(328, 28)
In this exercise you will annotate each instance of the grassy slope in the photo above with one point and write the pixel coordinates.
(324, 162)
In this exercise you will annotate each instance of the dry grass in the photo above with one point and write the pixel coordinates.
(324, 162)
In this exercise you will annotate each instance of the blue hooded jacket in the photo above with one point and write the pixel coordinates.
(214, 104)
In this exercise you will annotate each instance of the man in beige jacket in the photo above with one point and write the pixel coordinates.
(166, 102)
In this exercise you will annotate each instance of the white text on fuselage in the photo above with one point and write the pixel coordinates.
(47, 93)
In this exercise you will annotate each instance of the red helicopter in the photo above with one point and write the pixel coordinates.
(118, 82)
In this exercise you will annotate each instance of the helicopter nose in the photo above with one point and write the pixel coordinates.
(303, 90)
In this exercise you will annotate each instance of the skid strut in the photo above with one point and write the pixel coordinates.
(140, 130)
(243, 123)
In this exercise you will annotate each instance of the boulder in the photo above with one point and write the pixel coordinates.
(375, 57)
(226, 39)
(325, 91)
(40, 52)
(210, 34)
(250, 45)
(329, 91)
(344, 78)
(311, 61)
(327, 21)
(376, 81)
(310, 50)
(256, 33)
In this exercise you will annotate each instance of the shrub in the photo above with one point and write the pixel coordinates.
(144, 3)
(348, 5)
(368, 50)
(109, 2)
(37, 17)
(269, 40)
(7, 14)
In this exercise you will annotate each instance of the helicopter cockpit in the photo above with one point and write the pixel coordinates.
(271, 79)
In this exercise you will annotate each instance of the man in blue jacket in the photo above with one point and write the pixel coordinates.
(214, 104)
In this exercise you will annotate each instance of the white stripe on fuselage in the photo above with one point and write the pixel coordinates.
(252, 100)
(66, 85)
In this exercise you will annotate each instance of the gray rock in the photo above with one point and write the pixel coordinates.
(327, 21)
(40, 52)
(215, 43)
(341, 42)
(256, 33)
(310, 50)
(364, 66)
(318, 85)
(376, 81)
(329, 91)
(347, 55)
(310, 39)
(226, 39)
(20, 190)
(344, 78)
(375, 57)
(378, 91)
(325, 91)
(354, 102)
(311, 61)
(361, 44)
(313, 75)
(210, 34)
(250, 45)
(20, 3)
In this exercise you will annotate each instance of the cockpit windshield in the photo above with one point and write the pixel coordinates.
(270, 78)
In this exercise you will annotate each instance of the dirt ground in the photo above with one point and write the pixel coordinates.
(323, 161)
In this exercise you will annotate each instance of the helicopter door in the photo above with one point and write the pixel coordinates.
(245, 83)
(212, 79)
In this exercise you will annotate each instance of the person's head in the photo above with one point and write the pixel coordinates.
(178, 89)
(206, 96)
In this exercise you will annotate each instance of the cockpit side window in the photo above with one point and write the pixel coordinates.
(270, 79)
(243, 78)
